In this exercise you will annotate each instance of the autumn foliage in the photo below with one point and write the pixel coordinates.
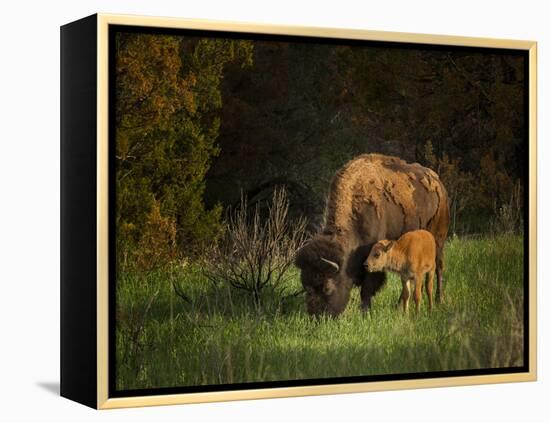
(201, 119)
(168, 99)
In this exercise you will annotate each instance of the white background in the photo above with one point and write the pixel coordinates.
(29, 209)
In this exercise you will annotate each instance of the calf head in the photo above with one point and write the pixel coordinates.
(378, 256)
(321, 262)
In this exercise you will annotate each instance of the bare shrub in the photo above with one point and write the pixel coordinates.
(256, 253)
(508, 218)
(131, 327)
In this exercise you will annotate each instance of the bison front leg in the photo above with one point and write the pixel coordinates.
(372, 283)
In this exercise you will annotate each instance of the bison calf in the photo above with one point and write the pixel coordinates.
(412, 256)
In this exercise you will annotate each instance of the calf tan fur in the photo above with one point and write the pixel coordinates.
(412, 256)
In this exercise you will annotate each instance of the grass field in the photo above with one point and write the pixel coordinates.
(217, 336)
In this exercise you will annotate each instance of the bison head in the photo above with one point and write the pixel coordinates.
(323, 276)
(378, 256)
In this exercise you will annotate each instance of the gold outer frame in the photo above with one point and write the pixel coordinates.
(103, 21)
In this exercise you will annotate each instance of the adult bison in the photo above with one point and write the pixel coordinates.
(372, 197)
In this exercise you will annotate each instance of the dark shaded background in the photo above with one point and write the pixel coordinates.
(200, 120)
(304, 109)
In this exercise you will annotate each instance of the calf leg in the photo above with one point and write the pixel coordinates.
(418, 282)
(429, 288)
(370, 286)
(405, 293)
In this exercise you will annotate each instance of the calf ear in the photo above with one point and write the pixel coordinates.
(389, 246)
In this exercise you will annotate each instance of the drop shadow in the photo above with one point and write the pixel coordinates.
(51, 387)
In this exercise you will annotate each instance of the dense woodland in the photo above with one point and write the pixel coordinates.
(201, 120)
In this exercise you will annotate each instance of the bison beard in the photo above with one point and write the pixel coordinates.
(372, 197)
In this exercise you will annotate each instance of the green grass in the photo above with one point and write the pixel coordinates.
(219, 337)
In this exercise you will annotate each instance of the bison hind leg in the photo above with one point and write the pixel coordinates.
(439, 267)
(372, 283)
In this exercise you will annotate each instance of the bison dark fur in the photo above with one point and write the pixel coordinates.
(372, 197)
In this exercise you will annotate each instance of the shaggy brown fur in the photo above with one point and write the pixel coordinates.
(372, 197)
(412, 256)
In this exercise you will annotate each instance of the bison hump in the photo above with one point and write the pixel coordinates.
(377, 180)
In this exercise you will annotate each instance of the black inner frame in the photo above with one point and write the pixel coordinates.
(114, 393)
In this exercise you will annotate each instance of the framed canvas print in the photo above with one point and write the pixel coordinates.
(253, 211)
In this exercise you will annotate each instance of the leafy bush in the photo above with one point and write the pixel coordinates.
(168, 110)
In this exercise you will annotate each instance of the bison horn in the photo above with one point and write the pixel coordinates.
(332, 264)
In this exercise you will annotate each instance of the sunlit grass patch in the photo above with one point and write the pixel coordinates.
(215, 335)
